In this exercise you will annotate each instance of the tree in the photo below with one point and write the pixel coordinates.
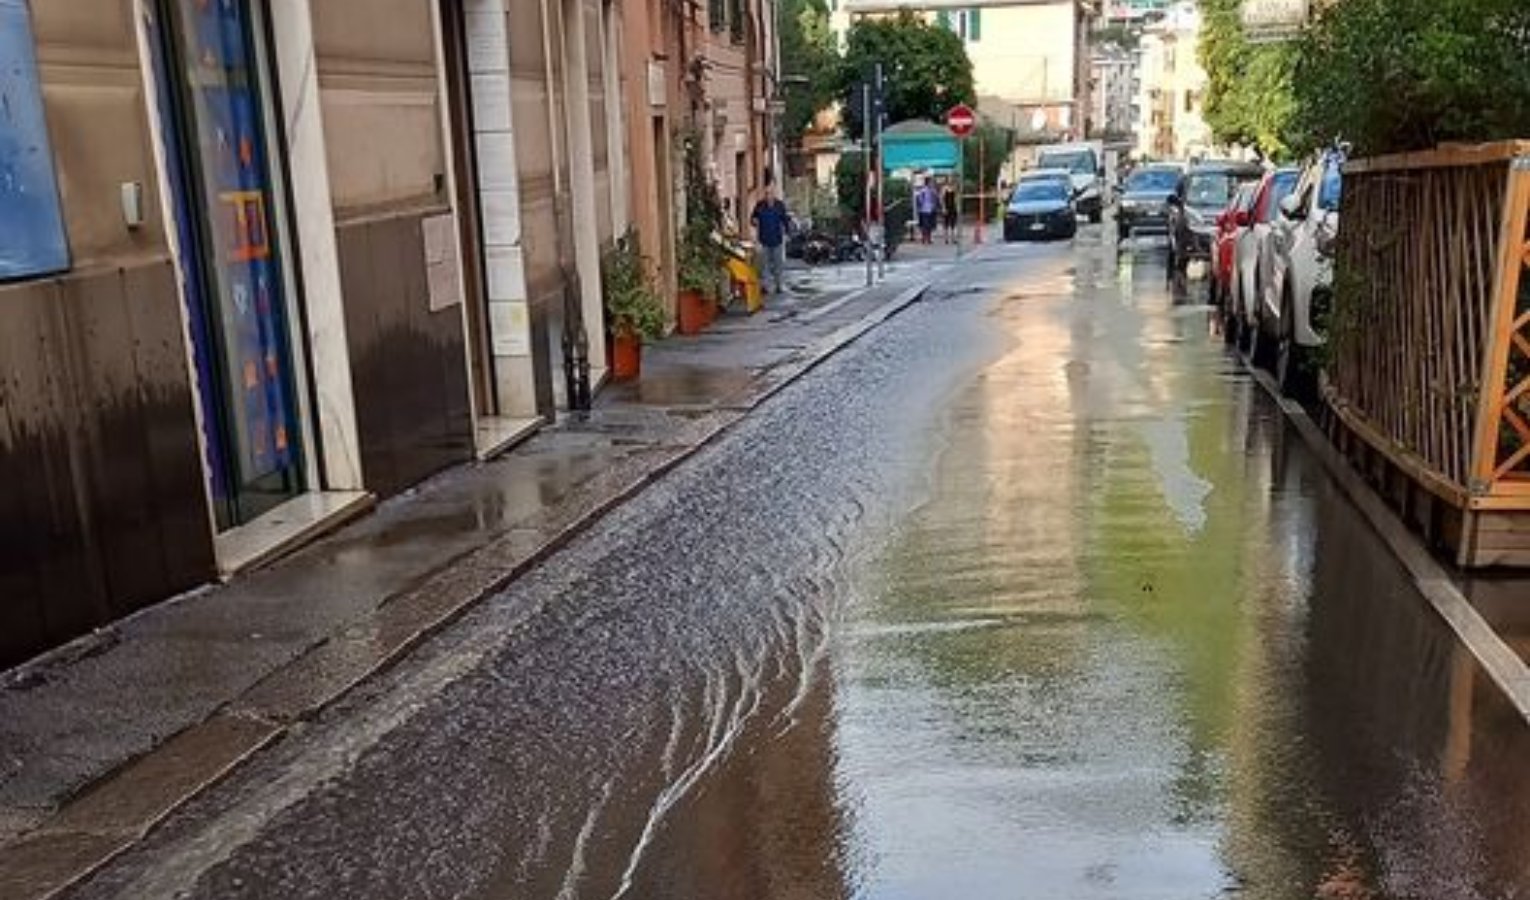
(1394, 75)
(809, 63)
(989, 144)
(1249, 97)
(925, 69)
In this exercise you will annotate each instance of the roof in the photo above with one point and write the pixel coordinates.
(916, 128)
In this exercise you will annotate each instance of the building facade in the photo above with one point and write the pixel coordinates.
(1172, 88)
(1112, 93)
(266, 262)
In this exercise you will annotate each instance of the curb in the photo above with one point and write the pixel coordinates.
(109, 816)
(1503, 666)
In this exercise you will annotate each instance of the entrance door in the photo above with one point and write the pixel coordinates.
(212, 106)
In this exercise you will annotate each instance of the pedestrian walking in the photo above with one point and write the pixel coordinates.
(948, 203)
(770, 220)
(927, 205)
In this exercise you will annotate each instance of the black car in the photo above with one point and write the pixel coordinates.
(1203, 192)
(1144, 203)
(1041, 209)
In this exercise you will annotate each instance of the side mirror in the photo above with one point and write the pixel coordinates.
(1291, 208)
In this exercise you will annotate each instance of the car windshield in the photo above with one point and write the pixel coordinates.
(1153, 180)
(1331, 187)
(1040, 189)
(1075, 161)
(1210, 189)
(1281, 185)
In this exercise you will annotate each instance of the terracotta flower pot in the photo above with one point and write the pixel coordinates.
(693, 312)
(626, 355)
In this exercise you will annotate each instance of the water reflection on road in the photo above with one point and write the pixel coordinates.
(1028, 594)
(1132, 643)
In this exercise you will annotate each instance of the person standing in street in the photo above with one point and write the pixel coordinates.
(927, 205)
(770, 220)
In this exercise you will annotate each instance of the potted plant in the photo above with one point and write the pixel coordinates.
(634, 309)
(696, 272)
(699, 259)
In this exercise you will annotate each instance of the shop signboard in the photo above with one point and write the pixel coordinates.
(32, 238)
(1265, 21)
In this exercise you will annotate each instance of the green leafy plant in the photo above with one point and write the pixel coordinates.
(925, 69)
(630, 299)
(810, 62)
(699, 258)
(1394, 75)
(698, 261)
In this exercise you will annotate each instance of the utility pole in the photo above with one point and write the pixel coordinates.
(961, 180)
(866, 158)
(881, 106)
(977, 234)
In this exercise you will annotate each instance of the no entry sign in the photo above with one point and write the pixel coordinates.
(960, 119)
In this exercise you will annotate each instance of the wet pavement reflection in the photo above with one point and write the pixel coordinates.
(1030, 594)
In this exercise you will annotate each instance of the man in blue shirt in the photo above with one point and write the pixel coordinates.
(770, 221)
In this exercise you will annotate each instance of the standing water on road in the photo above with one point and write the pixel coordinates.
(1027, 594)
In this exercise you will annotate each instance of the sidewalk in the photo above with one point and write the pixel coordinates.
(103, 738)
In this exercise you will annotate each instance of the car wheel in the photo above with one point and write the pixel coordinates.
(1291, 370)
(1261, 349)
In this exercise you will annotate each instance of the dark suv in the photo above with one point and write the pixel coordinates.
(1203, 192)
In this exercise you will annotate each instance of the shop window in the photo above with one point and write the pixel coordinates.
(32, 238)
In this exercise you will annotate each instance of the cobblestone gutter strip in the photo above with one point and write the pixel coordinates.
(117, 811)
(1502, 665)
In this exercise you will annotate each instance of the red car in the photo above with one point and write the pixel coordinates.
(1233, 221)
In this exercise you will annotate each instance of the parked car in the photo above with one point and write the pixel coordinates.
(1085, 164)
(1041, 207)
(1231, 224)
(1203, 192)
(1301, 276)
(1144, 203)
(1249, 263)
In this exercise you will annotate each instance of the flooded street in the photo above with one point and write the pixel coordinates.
(1029, 593)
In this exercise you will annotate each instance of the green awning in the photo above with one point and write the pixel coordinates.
(918, 145)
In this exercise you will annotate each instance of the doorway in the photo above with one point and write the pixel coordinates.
(225, 196)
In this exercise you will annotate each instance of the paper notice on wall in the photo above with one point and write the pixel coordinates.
(443, 274)
(509, 329)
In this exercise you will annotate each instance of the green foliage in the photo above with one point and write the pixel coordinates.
(850, 187)
(699, 258)
(925, 69)
(810, 60)
(629, 295)
(995, 142)
(1249, 96)
(850, 184)
(1393, 75)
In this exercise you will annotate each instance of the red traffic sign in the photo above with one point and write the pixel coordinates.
(960, 119)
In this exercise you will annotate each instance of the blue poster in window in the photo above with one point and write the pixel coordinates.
(31, 224)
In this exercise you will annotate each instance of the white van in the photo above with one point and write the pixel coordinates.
(1085, 163)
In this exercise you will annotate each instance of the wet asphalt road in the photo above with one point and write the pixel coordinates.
(1029, 594)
